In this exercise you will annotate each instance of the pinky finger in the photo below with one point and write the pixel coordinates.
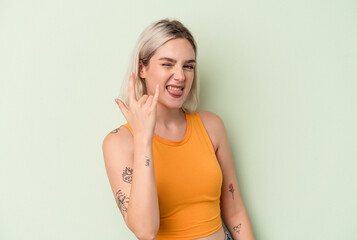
(122, 108)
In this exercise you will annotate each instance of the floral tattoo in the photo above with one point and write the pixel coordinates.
(231, 189)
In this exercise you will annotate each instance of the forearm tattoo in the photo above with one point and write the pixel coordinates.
(147, 161)
(127, 175)
(237, 228)
(122, 201)
(231, 189)
(114, 131)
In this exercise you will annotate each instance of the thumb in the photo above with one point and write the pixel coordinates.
(122, 107)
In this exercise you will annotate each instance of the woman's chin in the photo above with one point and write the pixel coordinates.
(172, 105)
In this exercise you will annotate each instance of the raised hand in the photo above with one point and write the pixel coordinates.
(141, 114)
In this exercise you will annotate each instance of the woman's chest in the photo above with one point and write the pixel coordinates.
(187, 175)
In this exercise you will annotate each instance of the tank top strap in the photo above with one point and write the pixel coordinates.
(199, 126)
(128, 127)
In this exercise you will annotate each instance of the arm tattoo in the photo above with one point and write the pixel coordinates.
(231, 189)
(114, 131)
(237, 228)
(122, 201)
(127, 175)
(147, 161)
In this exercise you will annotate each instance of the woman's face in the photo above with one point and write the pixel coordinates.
(173, 68)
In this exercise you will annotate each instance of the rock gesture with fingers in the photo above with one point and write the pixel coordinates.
(140, 114)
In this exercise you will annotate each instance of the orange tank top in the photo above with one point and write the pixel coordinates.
(189, 180)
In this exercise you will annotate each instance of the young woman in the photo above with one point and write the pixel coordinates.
(170, 167)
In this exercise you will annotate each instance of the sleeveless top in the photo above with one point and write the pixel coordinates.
(189, 179)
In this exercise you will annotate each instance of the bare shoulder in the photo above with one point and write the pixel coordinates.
(119, 134)
(211, 120)
(120, 140)
(214, 127)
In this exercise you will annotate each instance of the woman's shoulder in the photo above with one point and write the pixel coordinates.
(214, 127)
(210, 119)
(119, 139)
(120, 133)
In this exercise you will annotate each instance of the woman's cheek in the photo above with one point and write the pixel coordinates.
(163, 74)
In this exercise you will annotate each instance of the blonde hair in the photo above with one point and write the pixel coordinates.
(154, 36)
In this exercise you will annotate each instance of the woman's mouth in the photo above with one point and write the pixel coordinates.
(175, 91)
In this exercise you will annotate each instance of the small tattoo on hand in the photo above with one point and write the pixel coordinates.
(127, 175)
(114, 131)
(237, 228)
(123, 202)
(147, 161)
(231, 189)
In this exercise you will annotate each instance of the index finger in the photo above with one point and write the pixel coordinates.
(156, 96)
(132, 94)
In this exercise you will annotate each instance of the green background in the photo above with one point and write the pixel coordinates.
(281, 74)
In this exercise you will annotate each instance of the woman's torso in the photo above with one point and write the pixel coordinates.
(202, 191)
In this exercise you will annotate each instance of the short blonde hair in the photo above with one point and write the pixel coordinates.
(154, 36)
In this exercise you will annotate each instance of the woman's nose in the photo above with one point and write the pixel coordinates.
(179, 75)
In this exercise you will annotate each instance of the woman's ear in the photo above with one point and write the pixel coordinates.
(142, 70)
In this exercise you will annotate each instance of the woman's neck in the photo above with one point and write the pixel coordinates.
(166, 117)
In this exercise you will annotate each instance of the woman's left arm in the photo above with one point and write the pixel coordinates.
(233, 210)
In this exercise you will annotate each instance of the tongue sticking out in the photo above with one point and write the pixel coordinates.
(174, 91)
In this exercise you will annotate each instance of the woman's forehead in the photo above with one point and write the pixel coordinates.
(179, 49)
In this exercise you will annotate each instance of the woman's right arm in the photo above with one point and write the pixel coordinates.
(130, 169)
(130, 166)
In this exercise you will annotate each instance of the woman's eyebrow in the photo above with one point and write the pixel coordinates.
(191, 61)
(172, 60)
(167, 59)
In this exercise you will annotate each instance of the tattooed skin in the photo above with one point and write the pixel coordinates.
(115, 131)
(122, 202)
(127, 175)
(231, 189)
(237, 228)
(147, 161)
